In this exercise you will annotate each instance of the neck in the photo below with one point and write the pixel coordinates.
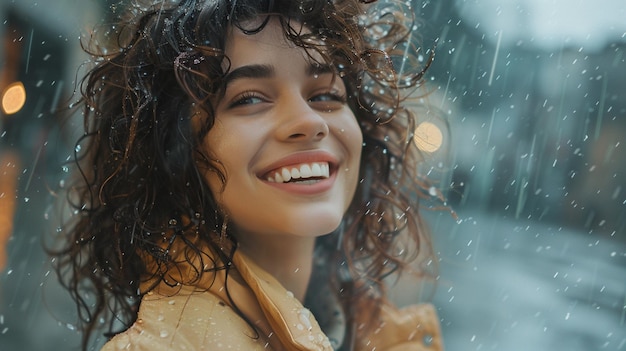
(288, 259)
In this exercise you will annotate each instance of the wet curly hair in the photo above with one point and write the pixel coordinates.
(140, 186)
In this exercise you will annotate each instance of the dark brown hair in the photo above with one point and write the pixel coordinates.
(140, 187)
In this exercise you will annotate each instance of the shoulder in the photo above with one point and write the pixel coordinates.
(188, 320)
(412, 328)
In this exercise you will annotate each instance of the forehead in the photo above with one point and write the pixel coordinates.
(270, 42)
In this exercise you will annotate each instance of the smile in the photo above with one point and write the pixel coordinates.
(303, 173)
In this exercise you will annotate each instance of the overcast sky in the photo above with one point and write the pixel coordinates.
(548, 24)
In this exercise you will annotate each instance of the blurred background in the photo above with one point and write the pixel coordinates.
(534, 94)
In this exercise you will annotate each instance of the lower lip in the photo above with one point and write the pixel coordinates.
(306, 189)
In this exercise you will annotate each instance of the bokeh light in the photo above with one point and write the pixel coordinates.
(13, 98)
(428, 137)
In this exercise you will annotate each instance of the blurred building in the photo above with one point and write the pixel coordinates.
(39, 56)
(536, 98)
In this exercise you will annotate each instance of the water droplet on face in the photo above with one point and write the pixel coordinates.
(164, 333)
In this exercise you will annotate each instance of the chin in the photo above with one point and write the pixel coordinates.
(305, 221)
(314, 226)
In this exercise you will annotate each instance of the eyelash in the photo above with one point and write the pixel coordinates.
(249, 95)
(333, 95)
(241, 99)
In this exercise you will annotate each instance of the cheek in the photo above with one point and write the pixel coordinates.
(353, 139)
(229, 156)
(215, 171)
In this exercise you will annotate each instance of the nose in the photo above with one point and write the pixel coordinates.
(300, 122)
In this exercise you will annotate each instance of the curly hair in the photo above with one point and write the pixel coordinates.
(140, 188)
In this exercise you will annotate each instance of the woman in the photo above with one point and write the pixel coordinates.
(247, 181)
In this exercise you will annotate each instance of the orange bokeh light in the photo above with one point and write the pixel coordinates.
(13, 98)
(428, 137)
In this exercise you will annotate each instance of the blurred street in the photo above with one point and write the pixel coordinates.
(522, 285)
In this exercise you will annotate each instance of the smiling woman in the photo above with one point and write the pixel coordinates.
(245, 181)
(293, 119)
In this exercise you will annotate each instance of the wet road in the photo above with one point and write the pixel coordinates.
(522, 285)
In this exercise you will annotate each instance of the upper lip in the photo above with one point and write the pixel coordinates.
(298, 158)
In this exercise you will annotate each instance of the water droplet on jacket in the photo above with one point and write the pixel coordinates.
(303, 315)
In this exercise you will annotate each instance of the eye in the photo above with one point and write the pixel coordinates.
(330, 100)
(246, 99)
(330, 96)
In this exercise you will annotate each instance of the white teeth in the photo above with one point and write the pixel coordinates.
(303, 171)
(286, 175)
(295, 173)
(316, 169)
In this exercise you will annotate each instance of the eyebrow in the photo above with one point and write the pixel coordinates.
(258, 71)
(249, 71)
(318, 68)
